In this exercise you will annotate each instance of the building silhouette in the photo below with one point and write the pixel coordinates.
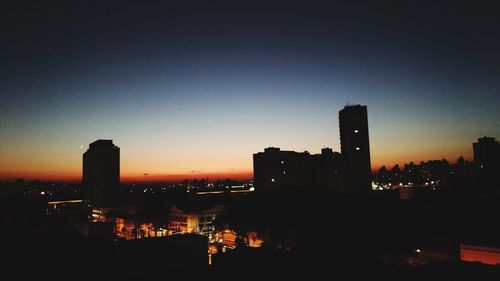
(487, 161)
(276, 169)
(101, 173)
(355, 148)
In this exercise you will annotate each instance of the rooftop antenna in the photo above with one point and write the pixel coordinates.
(351, 102)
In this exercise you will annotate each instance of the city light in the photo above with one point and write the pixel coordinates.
(210, 192)
(65, 201)
(242, 191)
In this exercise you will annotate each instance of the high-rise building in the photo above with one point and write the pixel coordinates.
(487, 161)
(355, 148)
(276, 169)
(101, 172)
(486, 153)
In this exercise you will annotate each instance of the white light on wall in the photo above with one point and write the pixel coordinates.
(356, 131)
(273, 180)
(357, 148)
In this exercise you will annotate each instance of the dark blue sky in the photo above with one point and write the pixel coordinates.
(201, 85)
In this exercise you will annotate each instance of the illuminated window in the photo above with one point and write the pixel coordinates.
(357, 148)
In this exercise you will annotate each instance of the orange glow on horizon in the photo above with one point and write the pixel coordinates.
(137, 167)
(133, 176)
(76, 178)
(47, 176)
(180, 177)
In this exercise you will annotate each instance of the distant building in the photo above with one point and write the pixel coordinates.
(180, 222)
(355, 148)
(201, 222)
(275, 168)
(487, 161)
(101, 172)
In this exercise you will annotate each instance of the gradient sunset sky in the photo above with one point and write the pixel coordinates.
(190, 89)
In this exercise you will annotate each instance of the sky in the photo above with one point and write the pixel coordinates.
(191, 89)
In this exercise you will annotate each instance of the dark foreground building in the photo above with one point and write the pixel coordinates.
(487, 163)
(275, 168)
(101, 172)
(355, 148)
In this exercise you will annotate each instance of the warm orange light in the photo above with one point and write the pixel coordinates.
(209, 192)
(151, 177)
(66, 201)
(486, 255)
(238, 191)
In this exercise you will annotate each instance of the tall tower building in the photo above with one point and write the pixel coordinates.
(101, 172)
(355, 148)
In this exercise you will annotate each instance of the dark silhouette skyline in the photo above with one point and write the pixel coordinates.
(128, 131)
(195, 76)
(446, 220)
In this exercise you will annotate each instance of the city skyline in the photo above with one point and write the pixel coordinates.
(202, 175)
(208, 139)
(192, 91)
